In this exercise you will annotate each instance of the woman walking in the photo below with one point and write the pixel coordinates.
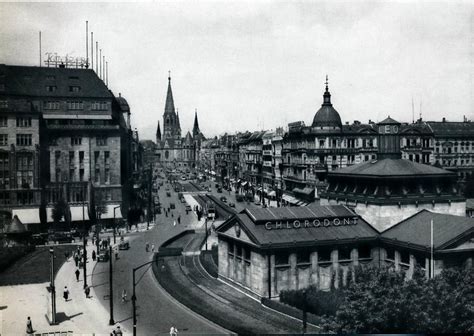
(66, 293)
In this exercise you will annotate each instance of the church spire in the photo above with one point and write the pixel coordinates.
(327, 95)
(169, 106)
(158, 132)
(177, 120)
(196, 130)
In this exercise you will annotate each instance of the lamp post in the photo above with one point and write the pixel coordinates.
(111, 289)
(118, 206)
(134, 297)
(53, 289)
(205, 222)
(84, 246)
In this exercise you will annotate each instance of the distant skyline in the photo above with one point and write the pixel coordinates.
(260, 65)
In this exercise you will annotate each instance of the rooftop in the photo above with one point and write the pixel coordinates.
(416, 229)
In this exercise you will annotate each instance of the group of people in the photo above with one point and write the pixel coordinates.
(147, 247)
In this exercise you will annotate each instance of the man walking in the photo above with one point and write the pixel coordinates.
(29, 326)
(77, 274)
(87, 290)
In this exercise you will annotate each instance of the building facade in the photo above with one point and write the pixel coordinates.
(74, 142)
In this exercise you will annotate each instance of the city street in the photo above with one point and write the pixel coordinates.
(156, 310)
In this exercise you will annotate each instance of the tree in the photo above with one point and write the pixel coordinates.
(60, 211)
(383, 301)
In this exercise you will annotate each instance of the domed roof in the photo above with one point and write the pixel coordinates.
(327, 116)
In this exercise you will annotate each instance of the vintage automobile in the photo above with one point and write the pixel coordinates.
(124, 245)
(223, 199)
(61, 238)
(103, 256)
(232, 205)
(239, 198)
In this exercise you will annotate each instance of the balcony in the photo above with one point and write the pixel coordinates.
(267, 152)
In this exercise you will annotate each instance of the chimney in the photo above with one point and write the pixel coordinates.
(444, 119)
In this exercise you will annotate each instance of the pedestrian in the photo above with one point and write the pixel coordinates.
(118, 331)
(94, 256)
(172, 214)
(179, 219)
(147, 247)
(66, 293)
(152, 247)
(116, 254)
(87, 290)
(66, 255)
(76, 259)
(29, 326)
(77, 274)
(124, 295)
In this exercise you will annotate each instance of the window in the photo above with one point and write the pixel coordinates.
(107, 175)
(108, 195)
(364, 252)
(51, 88)
(3, 122)
(247, 254)
(23, 122)
(99, 106)
(230, 248)
(73, 77)
(303, 257)
(74, 88)
(81, 158)
(75, 105)
(101, 141)
(72, 172)
(390, 254)
(51, 105)
(25, 197)
(58, 175)
(81, 174)
(344, 253)
(71, 158)
(97, 175)
(50, 77)
(3, 139)
(23, 140)
(324, 255)
(281, 258)
(106, 158)
(405, 257)
(76, 141)
(5, 171)
(24, 170)
(96, 158)
(3, 103)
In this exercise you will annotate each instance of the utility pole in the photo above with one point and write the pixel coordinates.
(111, 288)
(53, 289)
(149, 197)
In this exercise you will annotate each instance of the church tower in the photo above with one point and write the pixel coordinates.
(170, 122)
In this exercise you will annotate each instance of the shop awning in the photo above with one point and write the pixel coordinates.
(15, 226)
(27, 216)
(76, 213)
(110, 212)
(289, 199)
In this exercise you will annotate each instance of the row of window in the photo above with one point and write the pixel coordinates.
(75, 105)
(20, 122)
(54, 88)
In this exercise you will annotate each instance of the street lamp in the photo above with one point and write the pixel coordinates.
(205, 222)
(52, 288)
(84, 245)
(134, 297)
(111, 290)
(118, 206)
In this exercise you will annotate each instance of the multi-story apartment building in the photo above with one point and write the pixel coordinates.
(68, 135)
(250, 155)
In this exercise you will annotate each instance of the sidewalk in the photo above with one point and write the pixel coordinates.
(80, 315)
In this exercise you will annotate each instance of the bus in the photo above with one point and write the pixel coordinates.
(211, 211)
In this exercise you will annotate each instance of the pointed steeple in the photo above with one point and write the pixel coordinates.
(169, 106)
(158, 132)
(178, 125)
(196, 130)
(327, 95)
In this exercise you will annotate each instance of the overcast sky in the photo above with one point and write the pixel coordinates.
(249, 66)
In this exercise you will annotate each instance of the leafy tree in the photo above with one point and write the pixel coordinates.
(383, 301)
(60, 211)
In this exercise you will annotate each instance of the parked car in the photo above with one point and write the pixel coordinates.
(232, 205)
(103, 256)
(172, 206)
(187, 208)
(224, 199)
(39, 239)
(61, 238)
(125, 245)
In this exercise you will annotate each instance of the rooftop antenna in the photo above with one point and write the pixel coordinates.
(87, 44)
(40, 47)
(103, 68)
(100, 64)
(107, 73)
(420, 108)
(92, 50)
(97, 57)
(412, 110)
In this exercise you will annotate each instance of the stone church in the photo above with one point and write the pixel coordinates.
(173, 150)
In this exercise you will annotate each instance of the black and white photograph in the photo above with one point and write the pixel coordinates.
(236, 167)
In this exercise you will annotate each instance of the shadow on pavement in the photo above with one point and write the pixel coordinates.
(62, 317)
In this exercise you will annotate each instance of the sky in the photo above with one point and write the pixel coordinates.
(260, 65)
